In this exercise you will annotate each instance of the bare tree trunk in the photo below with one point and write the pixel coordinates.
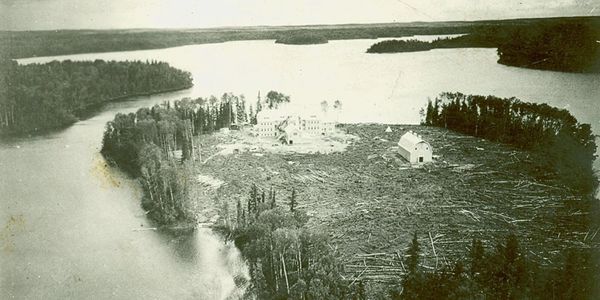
(150, 190)
(287, 283)
(272, 266)
(299, 263)
(172, 198)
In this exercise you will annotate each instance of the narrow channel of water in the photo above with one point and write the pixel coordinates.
(72, 228)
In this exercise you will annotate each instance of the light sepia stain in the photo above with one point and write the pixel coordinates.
(101, 170)
(14, 225)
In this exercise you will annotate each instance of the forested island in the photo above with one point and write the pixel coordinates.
(488, 233)
(481, 39)
(561, 46)
(35, 97)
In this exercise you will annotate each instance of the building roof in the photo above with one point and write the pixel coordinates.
(410, 139)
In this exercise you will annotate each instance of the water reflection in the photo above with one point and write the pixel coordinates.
(183, 243)
(79, 231)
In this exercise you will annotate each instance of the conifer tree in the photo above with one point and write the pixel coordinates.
(293, 201)
(413, 281)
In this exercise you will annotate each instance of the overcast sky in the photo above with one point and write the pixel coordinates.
(81, 14)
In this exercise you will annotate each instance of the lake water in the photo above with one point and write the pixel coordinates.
(74, 229)
(372, 87)
(71, 226)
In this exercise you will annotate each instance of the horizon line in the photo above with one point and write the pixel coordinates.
(294, 25)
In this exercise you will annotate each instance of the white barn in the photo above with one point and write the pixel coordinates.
(416, 150)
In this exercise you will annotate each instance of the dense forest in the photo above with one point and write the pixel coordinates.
(568, 146)
(42, 96)
(392, 46)
(503, 272)
(482, 38)
(564, 46)
(152, 143)
(286, 259)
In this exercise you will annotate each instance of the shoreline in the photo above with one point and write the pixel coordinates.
(88, 112)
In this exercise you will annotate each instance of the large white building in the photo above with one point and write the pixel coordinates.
(277, 122)
(416, 150)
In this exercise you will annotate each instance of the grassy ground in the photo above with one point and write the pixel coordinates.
(370, 200)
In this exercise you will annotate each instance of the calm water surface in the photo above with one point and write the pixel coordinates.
(73, 228)
(68, 222)
(372, 87)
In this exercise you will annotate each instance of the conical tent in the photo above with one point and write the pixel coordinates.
(388, 129)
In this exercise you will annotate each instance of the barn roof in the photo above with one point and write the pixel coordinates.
(410, 139)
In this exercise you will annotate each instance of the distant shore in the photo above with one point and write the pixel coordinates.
(24, 44)
(560, 46)
(302, 39)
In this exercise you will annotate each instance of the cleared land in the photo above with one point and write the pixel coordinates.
(370, 200)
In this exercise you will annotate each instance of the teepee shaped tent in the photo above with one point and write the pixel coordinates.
(388, 129)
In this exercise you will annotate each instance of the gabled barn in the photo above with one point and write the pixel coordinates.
(416, 150)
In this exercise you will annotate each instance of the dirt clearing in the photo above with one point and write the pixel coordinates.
(370, 200)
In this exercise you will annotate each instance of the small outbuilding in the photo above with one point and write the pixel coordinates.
(414, 149)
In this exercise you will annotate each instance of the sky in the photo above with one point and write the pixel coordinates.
(109, 14)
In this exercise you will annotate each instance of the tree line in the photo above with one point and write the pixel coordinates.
(286, 259)
(503, 272)
(153, 144)
(561, 47)
(20, 44)
(480, 38)
(568, 147)
(393, 46)
(566, 45)
(55, 94)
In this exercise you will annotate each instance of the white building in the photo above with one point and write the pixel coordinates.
(416, 150)
(274, 123)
